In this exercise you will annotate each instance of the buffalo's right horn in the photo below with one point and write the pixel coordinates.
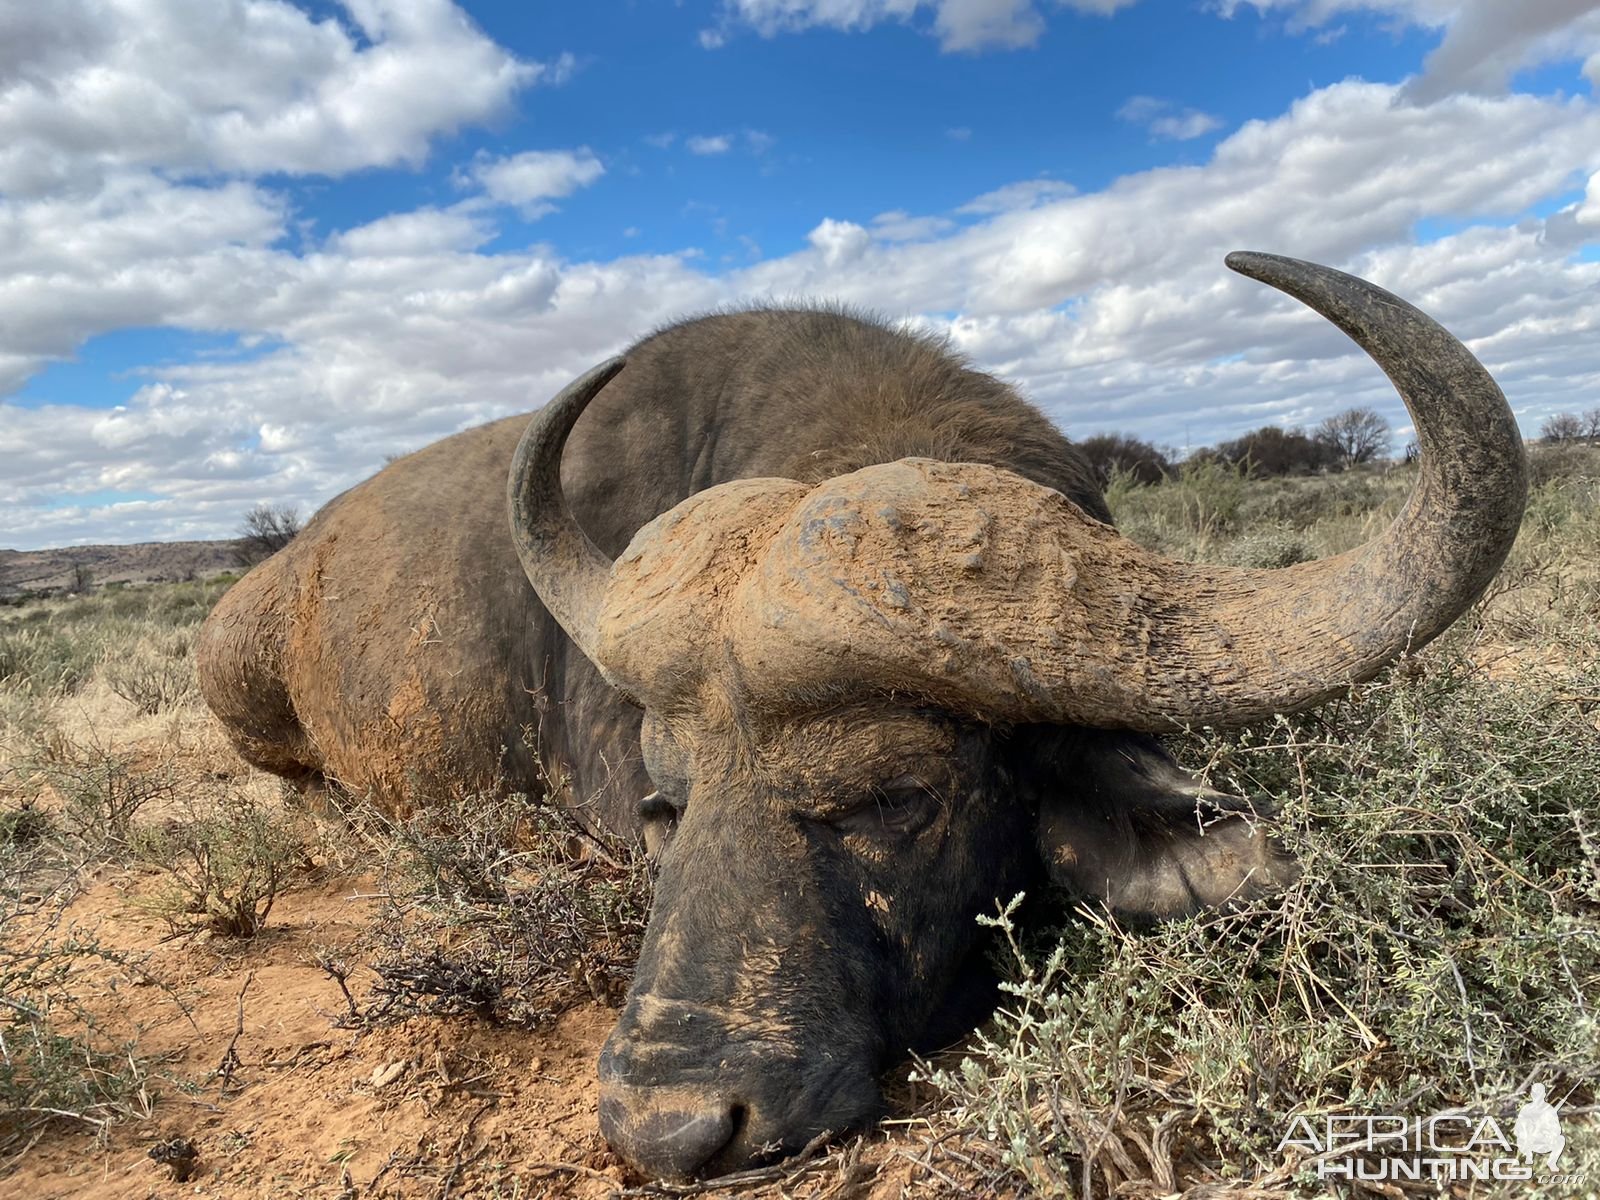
(568, 571)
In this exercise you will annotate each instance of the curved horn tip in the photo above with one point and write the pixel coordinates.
(1257, 264)
(598, 376)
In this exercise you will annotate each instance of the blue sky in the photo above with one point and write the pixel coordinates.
(248, 247)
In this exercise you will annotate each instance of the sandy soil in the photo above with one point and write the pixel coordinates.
(303, 1108)
(311, 1109)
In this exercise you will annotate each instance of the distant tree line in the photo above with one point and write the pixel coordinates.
(1347, 439)
(1121, 453)
(1570, 427)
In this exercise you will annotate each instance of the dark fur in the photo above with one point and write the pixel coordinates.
(296, 672)
(316, 665)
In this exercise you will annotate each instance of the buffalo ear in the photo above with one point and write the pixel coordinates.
(1121, 822)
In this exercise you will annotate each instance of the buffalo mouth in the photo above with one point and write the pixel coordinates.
(670, 1133)
(720, 1109)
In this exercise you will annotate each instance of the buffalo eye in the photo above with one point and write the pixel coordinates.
(902, 806)
(659, 818)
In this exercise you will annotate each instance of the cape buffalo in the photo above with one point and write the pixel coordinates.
(841, 627)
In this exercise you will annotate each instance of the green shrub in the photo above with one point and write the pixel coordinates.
(164, 605)
(1185, 516)
(1303, 503)
(127, 602)
(102, 790)
(1440, 949)
(45, 661)
(1266, 548)
(1563, 461)
(507, 911)
(56, 1063)
(24, 826)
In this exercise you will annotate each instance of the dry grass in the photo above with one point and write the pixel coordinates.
(499, 909)
(495, 909)
(1440, 951)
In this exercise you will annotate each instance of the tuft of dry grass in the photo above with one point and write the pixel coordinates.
(155, 674)
(90, 775)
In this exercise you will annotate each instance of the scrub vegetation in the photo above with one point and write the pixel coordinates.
(1438, 954)
(1440, 951)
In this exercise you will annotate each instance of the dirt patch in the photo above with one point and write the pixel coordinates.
(302, 1107)
(265, 1093)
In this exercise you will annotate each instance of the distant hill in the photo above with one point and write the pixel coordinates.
(145, 562)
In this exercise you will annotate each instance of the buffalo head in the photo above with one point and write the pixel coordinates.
(874, 705)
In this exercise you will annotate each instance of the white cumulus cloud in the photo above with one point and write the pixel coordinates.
(1166, 120)
(1485, 41)
(1027, 194)
(237, 86)
(708, 144)
(1108, 307)
(530, 180)
(969, 25)
(898, 225)
(839, 242)
(411, 234)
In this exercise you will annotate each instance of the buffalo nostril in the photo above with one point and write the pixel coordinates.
(662, 1134)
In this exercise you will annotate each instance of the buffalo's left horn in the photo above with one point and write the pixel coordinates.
(567, 570)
